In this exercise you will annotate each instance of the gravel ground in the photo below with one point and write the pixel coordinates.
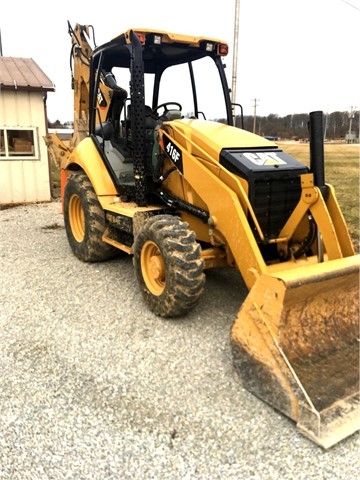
(94, 386)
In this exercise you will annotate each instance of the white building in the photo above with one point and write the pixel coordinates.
(24, 163)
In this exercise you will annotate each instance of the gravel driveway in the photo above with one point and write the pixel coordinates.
(94, 386)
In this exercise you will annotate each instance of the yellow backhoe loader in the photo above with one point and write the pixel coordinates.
(148, 174)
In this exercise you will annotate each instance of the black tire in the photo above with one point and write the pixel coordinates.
(84, 220)
(168, 266)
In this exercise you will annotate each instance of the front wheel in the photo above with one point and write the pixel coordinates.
(84, 220)
(168, 266)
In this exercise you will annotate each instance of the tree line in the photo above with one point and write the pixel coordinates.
(337, 125)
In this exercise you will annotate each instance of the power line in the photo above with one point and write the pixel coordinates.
(351, 5)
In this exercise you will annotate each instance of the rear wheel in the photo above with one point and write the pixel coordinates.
(168, 266)
(84, 220)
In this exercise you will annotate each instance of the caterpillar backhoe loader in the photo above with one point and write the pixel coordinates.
(148, 174)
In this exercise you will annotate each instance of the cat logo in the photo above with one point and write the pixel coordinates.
(264, 158)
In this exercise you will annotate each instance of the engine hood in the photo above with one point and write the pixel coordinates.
(213, 137)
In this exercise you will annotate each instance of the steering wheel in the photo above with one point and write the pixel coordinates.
(165, 107)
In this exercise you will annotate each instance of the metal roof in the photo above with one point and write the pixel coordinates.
(23, 74)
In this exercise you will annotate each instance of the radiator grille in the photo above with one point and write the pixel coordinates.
(273, 201)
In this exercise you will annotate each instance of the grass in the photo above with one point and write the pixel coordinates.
(342, 172)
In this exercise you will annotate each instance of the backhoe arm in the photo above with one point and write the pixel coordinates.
(80, 79)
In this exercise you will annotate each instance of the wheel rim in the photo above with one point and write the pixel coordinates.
(77, 218)
(153, 268)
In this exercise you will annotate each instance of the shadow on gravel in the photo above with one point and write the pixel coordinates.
(53, 226)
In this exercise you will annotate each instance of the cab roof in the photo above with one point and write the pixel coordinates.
(160, 49)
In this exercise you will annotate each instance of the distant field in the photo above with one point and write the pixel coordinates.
(342, 171)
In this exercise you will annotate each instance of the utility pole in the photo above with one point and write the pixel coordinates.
(256, 100)
(235, 51)
(351, 116)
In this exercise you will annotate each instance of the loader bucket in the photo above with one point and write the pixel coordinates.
(295, 344)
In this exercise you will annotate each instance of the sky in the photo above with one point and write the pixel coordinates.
(294, 56)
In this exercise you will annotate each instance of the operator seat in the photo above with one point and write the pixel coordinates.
(119, 96)
(150, 121)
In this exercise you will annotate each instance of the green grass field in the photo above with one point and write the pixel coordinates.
(341, 171)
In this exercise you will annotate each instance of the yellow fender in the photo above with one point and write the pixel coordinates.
(87, 158)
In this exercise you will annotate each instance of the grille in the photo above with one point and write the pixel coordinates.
(273, 201)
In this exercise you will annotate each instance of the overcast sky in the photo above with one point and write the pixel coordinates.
(294, 56)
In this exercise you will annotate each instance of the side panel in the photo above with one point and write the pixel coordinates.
(227, 216)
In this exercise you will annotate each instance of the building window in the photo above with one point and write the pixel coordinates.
(18, 144)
